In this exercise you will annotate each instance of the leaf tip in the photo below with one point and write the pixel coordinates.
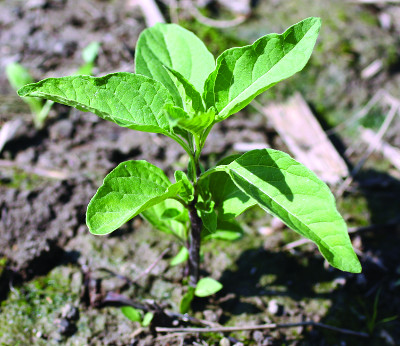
(356, 267)
(24, 91)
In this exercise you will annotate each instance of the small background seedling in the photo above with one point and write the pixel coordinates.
(18, 76)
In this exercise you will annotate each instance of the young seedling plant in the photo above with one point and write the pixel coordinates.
(179, 90)
(18, 76)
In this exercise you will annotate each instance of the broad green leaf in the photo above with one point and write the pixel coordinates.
(133, 314)
(290, 191)
(129, 100)
(186, 300)
(191, 98)
(226, 230)
(177, 48)
(187, 191)
(206, 287)
(243, 73)
(129, 189)
(181, 256)
(157, 217)
(229, 200)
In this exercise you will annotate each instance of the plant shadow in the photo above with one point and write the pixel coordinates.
(261, 272)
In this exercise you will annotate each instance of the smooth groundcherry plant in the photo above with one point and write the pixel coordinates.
(181, 91)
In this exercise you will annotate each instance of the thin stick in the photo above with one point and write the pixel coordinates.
(150, 10)
(151, 266)
(194, 11)
(258, 327)
(44, 172)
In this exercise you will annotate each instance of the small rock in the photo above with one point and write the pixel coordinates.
(70, 312)
(274, 308)
(210, 316)
(32, 4)
(258, 337)
(277, 224)
(224, 342)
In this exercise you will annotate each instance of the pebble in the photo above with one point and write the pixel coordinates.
(70, 312)
(224, 342)
(210, 316)
(274, 308)
(258, 337)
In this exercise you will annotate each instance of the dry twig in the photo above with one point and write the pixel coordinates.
(150, 10)
(40, 171)
(259, 327)
(194, 11)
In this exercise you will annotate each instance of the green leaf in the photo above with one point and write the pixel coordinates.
(194, 124)
(191, 98)
(129, 100)
(158, 217)
(206, 287)
(290, 191)
(90, 52)
(186, 300)
(187, 191)
(226, 230)
(181, 256)
(18, 76)
(205, 207)
(243, 73)
(129, 189)
(177, 48)
(147, 318)
(131, 313)
(229, 200)
(209, 219)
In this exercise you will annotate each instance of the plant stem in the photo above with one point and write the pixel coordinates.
(194, 244)
(182, 144)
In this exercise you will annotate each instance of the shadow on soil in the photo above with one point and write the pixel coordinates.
(368, 302)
